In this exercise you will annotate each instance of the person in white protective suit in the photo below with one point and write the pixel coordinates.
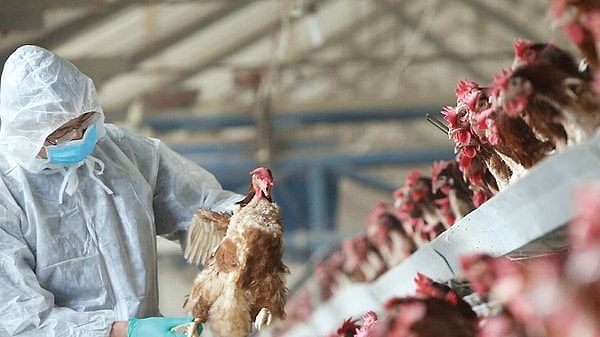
(81, 204)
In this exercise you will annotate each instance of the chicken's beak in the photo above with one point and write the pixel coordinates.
(262, 186)
(265, 186)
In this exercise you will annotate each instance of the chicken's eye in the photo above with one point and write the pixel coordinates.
(482, 104)
(515, 81)
(529, 55)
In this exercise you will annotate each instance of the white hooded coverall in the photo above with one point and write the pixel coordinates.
(72, 268)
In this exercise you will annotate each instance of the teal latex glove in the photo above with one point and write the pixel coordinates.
(157, 326)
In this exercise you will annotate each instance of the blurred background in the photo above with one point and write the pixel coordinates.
(331, 94)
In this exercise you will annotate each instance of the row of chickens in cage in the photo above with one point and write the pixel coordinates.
(423, 207)
(543, 103)
(551, 294)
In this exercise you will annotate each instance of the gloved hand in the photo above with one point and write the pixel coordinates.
(158, 326)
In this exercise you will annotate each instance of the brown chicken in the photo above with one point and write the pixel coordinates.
(468, 127)
(572, 96)
(549, 292)
(387, 233)
(447, 179)
(417, 208)
(363, 262)
(243, 281)
(439, 312)
(543, 115)
(527, 52)
(579, 20)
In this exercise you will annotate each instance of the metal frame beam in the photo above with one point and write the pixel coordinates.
(230, 168)
(295, 119)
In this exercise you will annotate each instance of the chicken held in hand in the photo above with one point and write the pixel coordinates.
(243, 282)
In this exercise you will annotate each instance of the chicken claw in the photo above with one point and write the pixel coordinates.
(189, 329)
(263, 319)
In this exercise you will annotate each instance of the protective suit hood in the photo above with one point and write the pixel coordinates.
(39, 92)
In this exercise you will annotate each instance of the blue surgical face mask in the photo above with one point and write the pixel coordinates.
(74, 151)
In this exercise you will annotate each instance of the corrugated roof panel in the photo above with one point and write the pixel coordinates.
(133, 28)
(223, 34)
(120, 90)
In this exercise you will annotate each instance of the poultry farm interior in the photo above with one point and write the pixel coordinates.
(503, 240)
(489, 226)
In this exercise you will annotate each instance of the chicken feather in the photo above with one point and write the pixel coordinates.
(206, 231)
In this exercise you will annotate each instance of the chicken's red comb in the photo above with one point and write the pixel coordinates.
(450, 115)
(520, 45)
(464, 86)
(349, 325)
(471, 99)
(500, 82)
(423, 283)
(413, 176)
(400, 193)
(369, 317)
(437, 167)
(378, 211)
(263, 172)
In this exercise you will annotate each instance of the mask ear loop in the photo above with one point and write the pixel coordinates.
(90, 162)
(71, 180)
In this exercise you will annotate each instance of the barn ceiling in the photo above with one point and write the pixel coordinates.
(305, 53)
(330, 81)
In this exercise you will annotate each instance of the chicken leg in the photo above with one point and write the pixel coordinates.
(263, 319)
(189, 329)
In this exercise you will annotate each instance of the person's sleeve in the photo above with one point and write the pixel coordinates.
(182, 187)
(25, 307)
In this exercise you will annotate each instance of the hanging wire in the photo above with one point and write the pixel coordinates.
(266, 87)
(411, 43)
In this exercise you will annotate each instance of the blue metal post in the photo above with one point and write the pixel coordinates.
(317, 203)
